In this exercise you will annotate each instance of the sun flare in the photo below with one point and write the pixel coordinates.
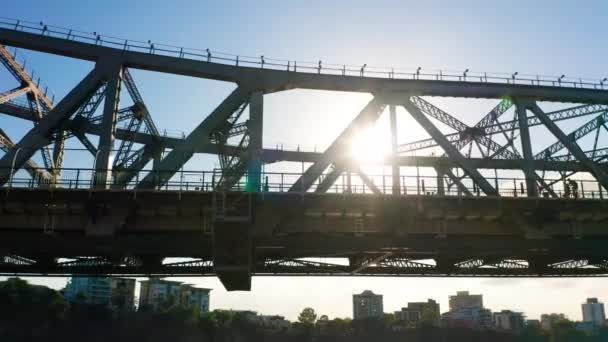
(371, 145)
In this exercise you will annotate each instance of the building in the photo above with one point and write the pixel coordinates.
(89, 290)
(463, 299)
(467, 317)
(367, 305)
(417, 311)
(122, 293)
(533, 323)
(195, 297)
(159, 294)
(508, 320)
(593, 311)
(272, 322)
(471, 317)
(118, 293)
(547, 321)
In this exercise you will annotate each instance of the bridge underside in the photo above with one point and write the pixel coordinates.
(87, 232)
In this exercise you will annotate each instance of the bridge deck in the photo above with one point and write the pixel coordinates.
(102, 230)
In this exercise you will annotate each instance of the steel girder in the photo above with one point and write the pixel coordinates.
(526, 146)
(39, 174)
(335, 152)
(140, 116)
(508, 126)
(450, 150)
(571, 145)
(79, 125)
(276, 80)
(40, 135)
(13, 93)
(113, 77)
(11, 64)
(468, 134)
(588, 127)
(200, 137)
(384, 266)
(37, 100)
(232, 167)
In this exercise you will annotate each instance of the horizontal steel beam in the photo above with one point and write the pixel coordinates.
(275, 80)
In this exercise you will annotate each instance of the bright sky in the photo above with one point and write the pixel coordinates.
(539, 38)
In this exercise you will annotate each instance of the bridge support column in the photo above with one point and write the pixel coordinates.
(440, 183)
(395, 165)
(232, 249)
(526, 146)
(103, 163)
(255, 126)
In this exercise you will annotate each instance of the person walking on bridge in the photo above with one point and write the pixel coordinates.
(363, 69)
(573, 187)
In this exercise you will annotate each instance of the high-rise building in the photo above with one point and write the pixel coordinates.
(195, 297)
(463, 299)
(118, 293)
(417, 311)
(123, 293)
(467, 317)
(593, 311)
(547, 321)
(159, 294)
(367, 305)
(89, 290)
(508, 320)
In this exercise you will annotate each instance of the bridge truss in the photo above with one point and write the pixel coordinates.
(131, 155)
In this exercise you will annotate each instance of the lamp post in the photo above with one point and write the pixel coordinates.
(10, 181)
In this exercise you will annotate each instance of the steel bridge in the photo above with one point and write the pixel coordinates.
(481, 204)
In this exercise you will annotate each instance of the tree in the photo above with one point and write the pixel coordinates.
(429, 318)
(307, 316)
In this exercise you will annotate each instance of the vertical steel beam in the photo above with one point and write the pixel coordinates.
(255, 127)
(571, 145)
(396, 177)
(40, 135)
(449, 149)
(526, 146)
(440, 182)
(105, 148)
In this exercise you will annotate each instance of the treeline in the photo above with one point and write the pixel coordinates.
(37, 313)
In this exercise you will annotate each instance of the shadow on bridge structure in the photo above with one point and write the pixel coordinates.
(482, 204)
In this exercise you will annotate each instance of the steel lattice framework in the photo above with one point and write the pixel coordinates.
(137, 169)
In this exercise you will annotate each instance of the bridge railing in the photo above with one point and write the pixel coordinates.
(271, 182)
(317, 67)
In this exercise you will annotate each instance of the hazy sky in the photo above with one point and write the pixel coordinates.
(546, 37)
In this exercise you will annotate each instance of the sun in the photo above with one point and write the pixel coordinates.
(371, 145)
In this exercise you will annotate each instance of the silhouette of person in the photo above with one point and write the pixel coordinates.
(573, 187)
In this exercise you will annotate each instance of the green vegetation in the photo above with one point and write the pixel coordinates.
(37, 313)
(307, 316)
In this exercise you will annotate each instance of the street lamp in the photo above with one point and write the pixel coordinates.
(10, 181)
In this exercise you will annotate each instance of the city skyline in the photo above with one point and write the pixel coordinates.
(391, 302)
(471, 36)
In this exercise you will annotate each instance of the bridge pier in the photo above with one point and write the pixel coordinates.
(232, 254)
